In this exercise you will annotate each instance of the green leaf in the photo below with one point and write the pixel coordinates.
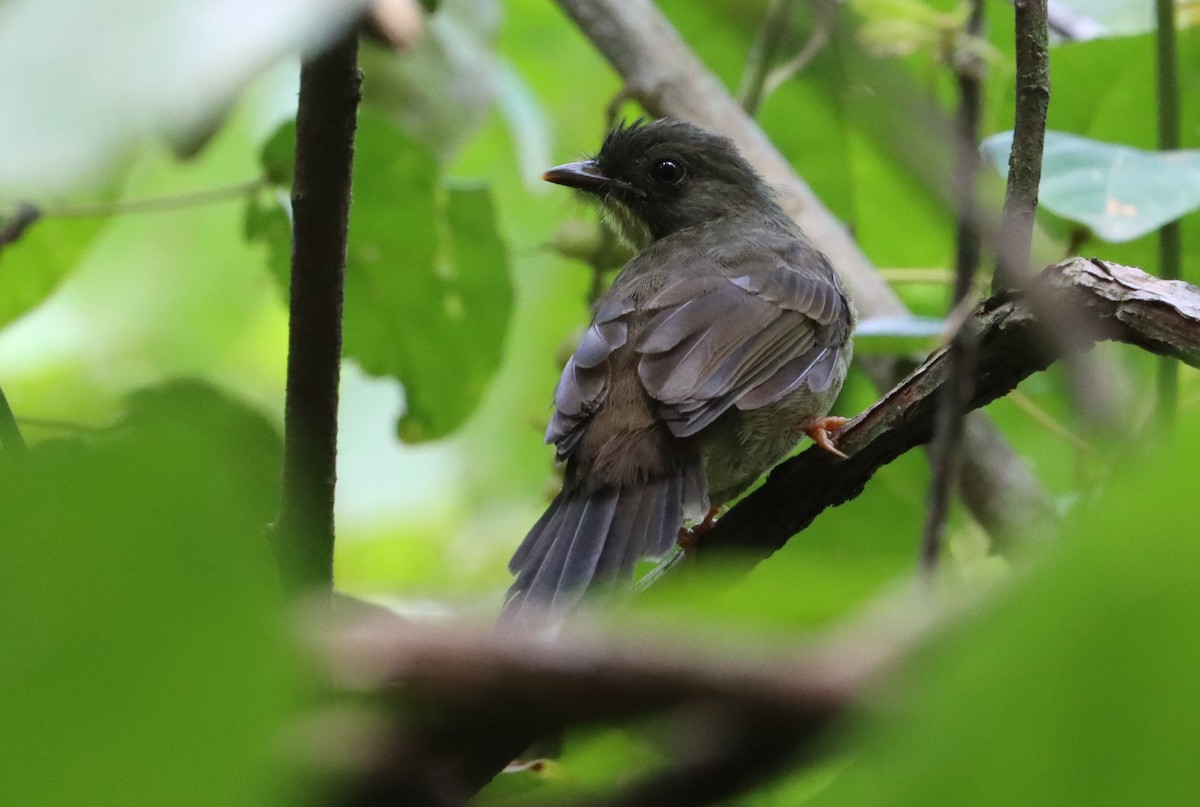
(1120, 192)
(1077, 688)
(428, 293)
(142, 623)
(32, 266)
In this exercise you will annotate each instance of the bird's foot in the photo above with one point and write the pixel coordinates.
(689, 537)
(819, 430)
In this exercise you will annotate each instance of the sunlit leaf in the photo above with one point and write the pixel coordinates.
(85, 81)
(1119, 192)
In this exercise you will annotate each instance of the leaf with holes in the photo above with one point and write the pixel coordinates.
(428, 294)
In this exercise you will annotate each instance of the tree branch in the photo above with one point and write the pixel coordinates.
(1029, 134)
(325, 124)
(946, 450)
(1111, 302)
(663, 74)
(477, 699)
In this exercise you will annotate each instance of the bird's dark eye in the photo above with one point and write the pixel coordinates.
(667, 172)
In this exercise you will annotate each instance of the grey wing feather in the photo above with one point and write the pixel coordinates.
(748, 340)
(584, 381)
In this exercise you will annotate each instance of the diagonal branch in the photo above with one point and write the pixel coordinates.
(1112, 302)
(663, 74)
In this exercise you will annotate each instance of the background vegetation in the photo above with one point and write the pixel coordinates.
(148, 656)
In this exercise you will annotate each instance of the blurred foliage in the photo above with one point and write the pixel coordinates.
(141, 625)
(142, 622)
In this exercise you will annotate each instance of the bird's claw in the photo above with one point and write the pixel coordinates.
(819, 430)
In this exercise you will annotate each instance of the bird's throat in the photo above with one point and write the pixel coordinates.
(629, 227)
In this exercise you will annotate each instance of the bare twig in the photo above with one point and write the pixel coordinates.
(1029, 134)
(325, 124)
(945, 453)
(157, 204)
(762, 53)
(667, 78)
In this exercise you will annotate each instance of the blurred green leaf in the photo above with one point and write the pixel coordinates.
(428, 294)
(902, 334)
(443, 87)
(142, 624)
(1077, 688)
(1113, 17)
(32, 266)
(1120, 192)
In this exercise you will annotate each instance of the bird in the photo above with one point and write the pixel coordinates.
(720, 344)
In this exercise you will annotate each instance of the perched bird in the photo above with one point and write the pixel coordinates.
(721, 343)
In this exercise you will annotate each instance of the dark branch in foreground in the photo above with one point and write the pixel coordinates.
(1116, 302)
(325, 125)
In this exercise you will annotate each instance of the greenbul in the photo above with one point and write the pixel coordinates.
(719, 345)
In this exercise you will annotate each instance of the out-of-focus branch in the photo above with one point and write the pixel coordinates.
(1170, 246)
(1108, 301)
(945, 453)
(663, 74)
(325, 125)
(479, 698)
(462, 693)
(1029, 135)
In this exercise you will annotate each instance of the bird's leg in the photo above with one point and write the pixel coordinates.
(819, 428)
(690, 536)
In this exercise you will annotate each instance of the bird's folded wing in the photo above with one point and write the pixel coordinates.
(746, 340)
(716, 339)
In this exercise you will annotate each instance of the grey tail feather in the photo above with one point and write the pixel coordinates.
(593, 541)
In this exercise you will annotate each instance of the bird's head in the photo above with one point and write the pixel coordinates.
(662, 177)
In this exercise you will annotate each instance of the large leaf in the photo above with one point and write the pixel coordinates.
(1078, 688)
(145, 655)
(427, 287)
(85, 81)
(1120, 192)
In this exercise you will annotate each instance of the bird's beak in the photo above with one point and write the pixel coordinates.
(586, 176)
(583, 175)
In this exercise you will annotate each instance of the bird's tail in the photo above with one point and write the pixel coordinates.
(589, 540)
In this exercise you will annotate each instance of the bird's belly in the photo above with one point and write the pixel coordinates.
(742, 445)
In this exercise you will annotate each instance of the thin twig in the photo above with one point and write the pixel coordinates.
(1029, 134)
(325, 125)
(945, 453)
(826, 16)
(762, 53)
(154, 204)
(1169, 237)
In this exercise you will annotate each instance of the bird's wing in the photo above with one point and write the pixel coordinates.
(745, 334)
(584, 381)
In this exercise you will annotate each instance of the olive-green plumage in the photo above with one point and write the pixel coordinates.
(714, 346)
